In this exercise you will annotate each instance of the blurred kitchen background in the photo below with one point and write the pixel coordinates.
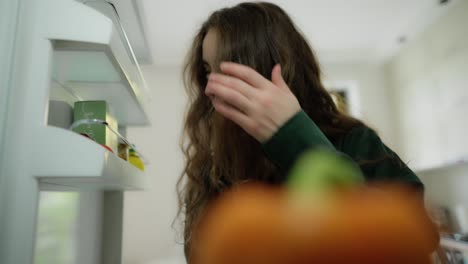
(401, 66)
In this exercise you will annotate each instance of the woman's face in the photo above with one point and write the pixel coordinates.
(209, 50)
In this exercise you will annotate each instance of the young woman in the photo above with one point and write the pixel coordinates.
(256, 102)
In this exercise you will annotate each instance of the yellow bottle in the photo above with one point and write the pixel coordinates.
(135, 160)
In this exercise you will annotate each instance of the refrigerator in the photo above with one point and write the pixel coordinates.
(64, 51)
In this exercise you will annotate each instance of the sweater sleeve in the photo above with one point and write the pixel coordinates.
(362, 145)
(377, 161)
(299, 134)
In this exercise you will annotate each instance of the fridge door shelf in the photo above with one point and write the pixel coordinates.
(92, 60)
(65, 160)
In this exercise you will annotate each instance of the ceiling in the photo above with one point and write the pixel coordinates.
(339, 30)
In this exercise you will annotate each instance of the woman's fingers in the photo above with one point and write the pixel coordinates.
(228, 95)
(256, 104)
(245, 73)
(231, 113)
(277, 78)
(234, 83)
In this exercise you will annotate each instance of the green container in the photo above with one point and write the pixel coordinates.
(99, 133)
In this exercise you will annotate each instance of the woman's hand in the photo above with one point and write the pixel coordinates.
(256, 104)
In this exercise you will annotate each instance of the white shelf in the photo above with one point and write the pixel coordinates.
(454, 244)
(93, 60)
(69, 161)
(444, 165)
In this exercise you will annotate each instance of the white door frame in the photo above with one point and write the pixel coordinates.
(8, 24)
(18, 191)
(351, 88)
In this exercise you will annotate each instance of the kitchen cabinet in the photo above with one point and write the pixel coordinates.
(433, 109)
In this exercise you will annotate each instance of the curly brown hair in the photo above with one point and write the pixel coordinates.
(219, 154)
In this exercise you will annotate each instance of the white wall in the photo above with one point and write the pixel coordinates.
(148, 215)
(429, 80)
(371, 83)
